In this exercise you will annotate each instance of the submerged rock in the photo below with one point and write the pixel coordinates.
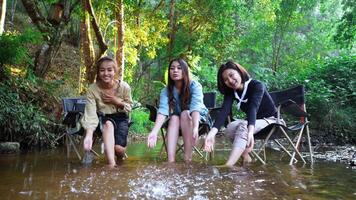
(9, 147)
(345, 154)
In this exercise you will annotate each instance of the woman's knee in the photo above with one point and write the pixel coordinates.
(119, 149)
(108, 125)
(236, 128)
(185, 117)
(174, 119)
(185, 114)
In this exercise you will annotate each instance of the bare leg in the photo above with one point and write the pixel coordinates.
(246, 158)
(235, 154)
(186, 125)
(172, 137)
(108, 137)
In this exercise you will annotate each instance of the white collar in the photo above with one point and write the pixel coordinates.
(241, 99)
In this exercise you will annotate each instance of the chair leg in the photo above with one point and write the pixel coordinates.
(309, 144)
(68, 145)
(291, 142)
(258, 157)
(95, 153)
(198, 151)
(284, 149)
(297, 144)
(164, 145)
(266, 140)
(74, 147)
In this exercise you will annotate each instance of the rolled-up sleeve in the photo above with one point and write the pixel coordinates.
(163, 103)
(90, 118)
(127, 99)
(197, 97)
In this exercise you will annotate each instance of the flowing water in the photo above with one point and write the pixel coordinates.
(144, 175)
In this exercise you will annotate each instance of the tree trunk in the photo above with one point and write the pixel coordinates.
(171, 35)
(89, 51)
(120, 56)
(2, 15)
(53, 33)
(99, 36)
(87, 48)
(47, 53)
(13, 10)
(36, 16)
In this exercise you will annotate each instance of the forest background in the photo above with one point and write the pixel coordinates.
(48, 49)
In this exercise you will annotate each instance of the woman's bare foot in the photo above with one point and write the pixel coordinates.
(246, 160)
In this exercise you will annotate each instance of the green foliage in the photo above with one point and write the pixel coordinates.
(346, 27)
(332, 97)
(141, 125)
(331, 94)
(20, 120)
(14, 50)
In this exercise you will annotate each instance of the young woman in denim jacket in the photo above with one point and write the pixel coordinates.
(182, 102)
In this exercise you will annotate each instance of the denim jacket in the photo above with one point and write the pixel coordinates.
(196, 99)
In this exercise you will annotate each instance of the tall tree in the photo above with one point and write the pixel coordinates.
(87, 48)
(172, 28)
(90, 56)
(2, 15)
(120, 56)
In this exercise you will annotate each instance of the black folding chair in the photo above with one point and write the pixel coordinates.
(292, 102)
(73, 110)
(204, 127)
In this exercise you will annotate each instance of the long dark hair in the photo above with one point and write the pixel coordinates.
(235, 66)
(185, 90)
(100, 61)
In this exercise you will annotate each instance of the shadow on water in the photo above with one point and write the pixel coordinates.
(50, 175)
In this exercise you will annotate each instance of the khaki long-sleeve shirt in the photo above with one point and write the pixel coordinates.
(95, 104)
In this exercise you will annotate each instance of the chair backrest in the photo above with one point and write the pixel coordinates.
(73, 104)
(292, 99)
(210, 99)
(295, 94)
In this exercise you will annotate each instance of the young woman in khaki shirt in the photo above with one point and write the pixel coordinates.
(112, 98)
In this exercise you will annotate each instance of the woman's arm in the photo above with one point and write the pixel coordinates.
(152, 137)
(162, 114)
(90, 120)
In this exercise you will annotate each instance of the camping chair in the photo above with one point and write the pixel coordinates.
(292, 102)
(204, 127)
(73, 109)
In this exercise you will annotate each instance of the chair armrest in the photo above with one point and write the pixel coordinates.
(293, 108)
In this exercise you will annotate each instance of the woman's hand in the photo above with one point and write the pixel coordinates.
(151, 140)
(195, 135)
(88, 142)
(110, 98)
(250, 143)
(209, 142)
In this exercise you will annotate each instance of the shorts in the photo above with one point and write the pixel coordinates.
(237, 130)
(121, 126)
(204, 116)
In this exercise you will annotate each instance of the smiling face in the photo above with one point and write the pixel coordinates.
(175, 71)
(232, 79)
(107, 72)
